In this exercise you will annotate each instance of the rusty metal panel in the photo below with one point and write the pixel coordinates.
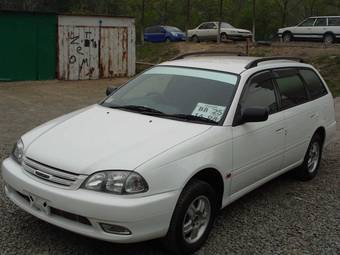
(114, 52)
(95, 47)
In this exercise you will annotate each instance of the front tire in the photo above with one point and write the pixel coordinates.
(192, 219)
(287, 37)
(224, 37)
(310, 166)
(195, 39)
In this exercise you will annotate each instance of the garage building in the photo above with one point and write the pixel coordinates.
(42, 46)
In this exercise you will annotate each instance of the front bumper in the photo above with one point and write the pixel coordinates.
(240, 36)
(146, 217)
(178, 38)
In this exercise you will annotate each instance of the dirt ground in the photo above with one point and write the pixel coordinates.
(284, 216)
(297, 49)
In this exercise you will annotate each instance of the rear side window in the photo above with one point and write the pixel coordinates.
(292, 91)
(260, 93)
(321, 22)
(211, 26)
(333, 21)
(314, 85)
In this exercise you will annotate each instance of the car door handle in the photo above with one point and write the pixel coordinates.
(314, 116)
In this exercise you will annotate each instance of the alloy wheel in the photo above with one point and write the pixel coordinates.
(196, 219)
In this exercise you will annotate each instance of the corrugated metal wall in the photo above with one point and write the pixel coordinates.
(27, 46)
(95, 47)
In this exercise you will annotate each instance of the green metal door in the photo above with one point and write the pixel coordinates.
(27, 46)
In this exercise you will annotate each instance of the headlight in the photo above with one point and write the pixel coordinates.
(117, 182)
(174, 33)
(18, 151)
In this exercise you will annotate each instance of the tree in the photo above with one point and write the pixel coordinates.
(142, 21)
(188, 15)
(254, 20)
(220, 21)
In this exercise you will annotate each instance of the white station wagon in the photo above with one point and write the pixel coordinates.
(161, 155)
(326, 28)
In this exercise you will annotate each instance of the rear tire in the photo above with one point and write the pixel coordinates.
(192, 219)
(328, 39)
(310, 166)
(168, 40)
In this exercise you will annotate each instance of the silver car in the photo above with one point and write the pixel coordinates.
(208, 31)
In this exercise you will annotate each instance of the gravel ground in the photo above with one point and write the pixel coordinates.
(284, 216)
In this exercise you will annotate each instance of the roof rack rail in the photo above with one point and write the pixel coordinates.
(255, 62)
(196, 53)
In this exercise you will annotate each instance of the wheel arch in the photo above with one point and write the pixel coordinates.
(213, 177)
(287, 32)
(329, 33)
(321, 131)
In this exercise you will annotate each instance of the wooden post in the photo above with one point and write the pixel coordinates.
(142, 23)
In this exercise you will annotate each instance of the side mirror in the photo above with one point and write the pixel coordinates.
(110, 90)
(255, 114)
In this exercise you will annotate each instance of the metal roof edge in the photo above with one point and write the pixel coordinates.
(63, 13)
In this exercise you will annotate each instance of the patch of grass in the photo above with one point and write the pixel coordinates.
(329, 67)
(260, 52)
(154, 53)
(327, 63)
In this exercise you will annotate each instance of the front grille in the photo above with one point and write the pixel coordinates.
(70, 216)
(51, 174)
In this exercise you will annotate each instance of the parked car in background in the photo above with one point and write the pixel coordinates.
(208, 31)
(161, 155)
(325, 28)
(163, 34)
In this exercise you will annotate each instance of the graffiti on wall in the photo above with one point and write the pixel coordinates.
(92, 52)
(83, 46)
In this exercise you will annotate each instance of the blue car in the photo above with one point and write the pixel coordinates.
(163, 34)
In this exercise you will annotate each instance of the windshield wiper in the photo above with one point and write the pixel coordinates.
(193, 118)
(137, 108)
(154, 112)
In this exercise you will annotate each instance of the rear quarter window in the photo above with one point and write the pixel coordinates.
(314, 84)
(333, 21)
(292, 91)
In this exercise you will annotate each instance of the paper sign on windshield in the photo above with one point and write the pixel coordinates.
(209, 111)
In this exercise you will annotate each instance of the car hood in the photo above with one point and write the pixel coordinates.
(285, 28)
(100, 138)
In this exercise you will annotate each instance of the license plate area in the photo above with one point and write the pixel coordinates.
(39, 203)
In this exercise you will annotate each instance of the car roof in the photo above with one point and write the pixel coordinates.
(314, 17)
(231, 64)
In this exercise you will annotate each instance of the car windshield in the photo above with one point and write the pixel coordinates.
(173, 29)
(186, 94)
(226, 25)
